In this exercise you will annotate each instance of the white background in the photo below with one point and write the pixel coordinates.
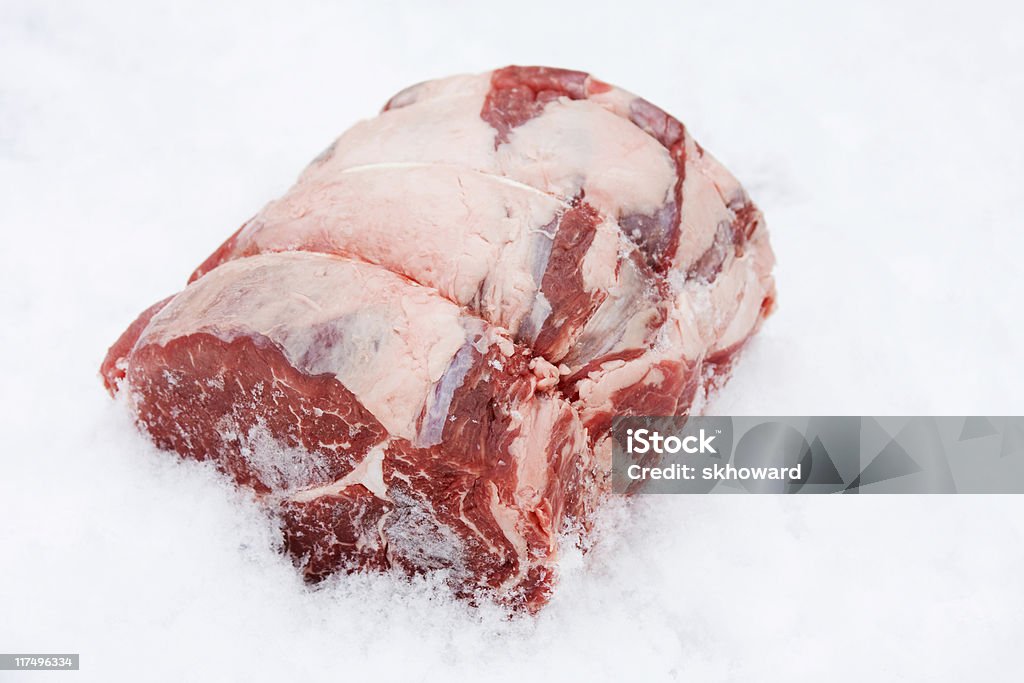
(884, 143)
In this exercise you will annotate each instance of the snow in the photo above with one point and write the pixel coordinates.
(882, 141)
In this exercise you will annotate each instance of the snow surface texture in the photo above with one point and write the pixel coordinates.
(883, 142)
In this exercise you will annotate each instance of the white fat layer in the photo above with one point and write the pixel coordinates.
(476, 239)
(436, 166)
(601, 260)
(577, 144)
(445, 130)
(571, 145)
(458, 85)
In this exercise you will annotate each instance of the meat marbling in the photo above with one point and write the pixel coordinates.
(415, 354)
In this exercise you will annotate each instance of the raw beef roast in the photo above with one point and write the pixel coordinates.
(415, 354)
